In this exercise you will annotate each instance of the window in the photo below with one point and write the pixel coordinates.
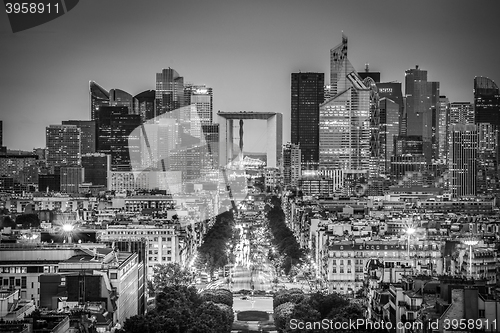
(113, 276)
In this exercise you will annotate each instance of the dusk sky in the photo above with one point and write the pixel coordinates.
(245, 50)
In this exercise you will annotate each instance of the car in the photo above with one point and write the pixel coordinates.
(244, 297)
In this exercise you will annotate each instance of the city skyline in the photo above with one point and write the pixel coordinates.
(248, 52)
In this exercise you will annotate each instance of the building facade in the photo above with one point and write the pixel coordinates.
(307, 95)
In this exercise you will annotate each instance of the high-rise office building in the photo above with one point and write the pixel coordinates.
(389, 130)
(169, 91)
(443, 119)
(98, 97)
(118, 97)
(339, 68)
(64, 145)
(462, 163)
(344, 127)
(422, 103)
(307, 95)
(97, 168)
(461, 113)
(3, 150)
(394, 92)
(291, 165)
(487, 118)
(144, 104)
(88, 134)
(202, 98)
(376, 160)
(114, 127)
(71, 178)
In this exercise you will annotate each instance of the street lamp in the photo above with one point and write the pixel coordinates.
(470, 243)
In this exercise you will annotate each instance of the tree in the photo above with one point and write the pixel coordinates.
(221, 296)
(282, 315)
(295, 297)
(7, 222)
(172, 274)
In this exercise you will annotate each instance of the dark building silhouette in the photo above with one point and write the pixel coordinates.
(307, 94)
(88, 134)
(97, 167)
(144, 104)
(118, 97)
(422, 103)
(98, 97)
(114, 125)
(367, 73)
(51, 182)
(487, 117)
(389, 129)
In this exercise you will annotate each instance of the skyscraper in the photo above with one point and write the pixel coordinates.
(144, 104)
(118, 97)
(389, 130)
(422, 102)
(3, 150)
(88, 134)
(307, 95)
(444, 114)
(202, 98)
(487, 118)
(345, 129)
(394, 92)
(169, 91)
(463, 154)
(339, 67)
(114, 126)
(461, 113)
(98, 97)
(64, 145)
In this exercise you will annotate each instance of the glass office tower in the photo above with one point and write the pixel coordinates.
(169, 91)
(307, 95)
